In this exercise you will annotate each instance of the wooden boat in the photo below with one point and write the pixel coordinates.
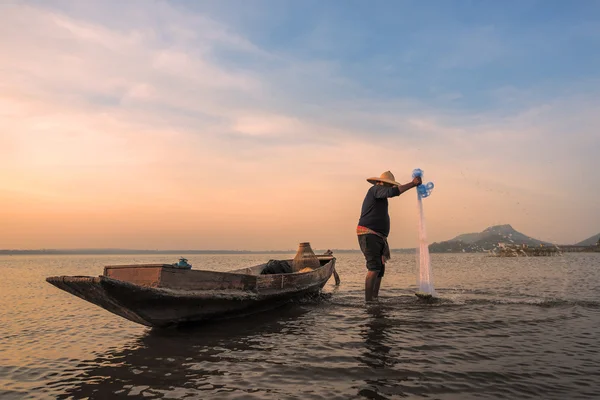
(162, 295)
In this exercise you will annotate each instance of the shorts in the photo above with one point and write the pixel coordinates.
(373, 248)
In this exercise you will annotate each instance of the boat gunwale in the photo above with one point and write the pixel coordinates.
(233, 271)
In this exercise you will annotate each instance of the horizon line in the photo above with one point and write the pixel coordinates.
(111, 251)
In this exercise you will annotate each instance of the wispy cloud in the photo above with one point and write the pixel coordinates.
(160, 111)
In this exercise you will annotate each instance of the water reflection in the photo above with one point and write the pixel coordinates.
(185, 362)
(377, 353)
(394, 348)
(375, 335)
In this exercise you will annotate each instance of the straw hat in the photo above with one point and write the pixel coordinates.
(386, 177)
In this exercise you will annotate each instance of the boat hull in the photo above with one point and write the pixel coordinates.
(161, 307)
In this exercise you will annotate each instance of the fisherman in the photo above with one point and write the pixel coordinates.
(374, 227)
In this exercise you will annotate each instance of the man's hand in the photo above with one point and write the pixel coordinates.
(414, 183)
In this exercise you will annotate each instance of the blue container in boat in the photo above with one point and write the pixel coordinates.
(183, 264)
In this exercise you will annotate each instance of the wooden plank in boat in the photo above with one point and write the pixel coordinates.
(146, 275)
(269, 282)
(299, 280)
(288, 281)
(205, 280)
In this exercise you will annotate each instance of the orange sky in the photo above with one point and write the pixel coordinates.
(108, 139)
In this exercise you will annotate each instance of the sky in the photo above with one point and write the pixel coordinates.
(254, 124)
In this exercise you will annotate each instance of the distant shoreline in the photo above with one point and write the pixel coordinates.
(158, 252)
(15, 252)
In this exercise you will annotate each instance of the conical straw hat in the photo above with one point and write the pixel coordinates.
(386, 177)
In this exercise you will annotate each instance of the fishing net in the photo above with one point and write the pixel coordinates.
(425, 276)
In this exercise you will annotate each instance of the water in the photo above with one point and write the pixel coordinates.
(425, 280)
(513, 328)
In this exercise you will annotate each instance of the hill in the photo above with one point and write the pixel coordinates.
(485, 240)
(467, 238)
(591, 241)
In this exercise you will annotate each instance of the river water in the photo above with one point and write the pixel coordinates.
(514, 328)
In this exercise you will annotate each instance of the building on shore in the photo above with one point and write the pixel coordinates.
(512, 250)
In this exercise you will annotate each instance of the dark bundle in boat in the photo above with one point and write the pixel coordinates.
(277, 267)
(162, 295)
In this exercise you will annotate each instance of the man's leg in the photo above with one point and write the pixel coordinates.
(378, 282)
(370, 284)
(370, 247)
(376, 286)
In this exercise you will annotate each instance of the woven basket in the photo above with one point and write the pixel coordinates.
(305, 258)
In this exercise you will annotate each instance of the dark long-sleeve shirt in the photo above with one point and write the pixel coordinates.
(374, 214)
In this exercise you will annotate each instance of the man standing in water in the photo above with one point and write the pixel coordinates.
(374, 227)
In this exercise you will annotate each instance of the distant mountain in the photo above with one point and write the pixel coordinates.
(505, 231)
(591, 241)
(467, 238)
(485, 240)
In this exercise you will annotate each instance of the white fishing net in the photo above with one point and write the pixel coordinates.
(425, 277)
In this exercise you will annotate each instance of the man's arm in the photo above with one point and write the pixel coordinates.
(383, 192)
(415, 182)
